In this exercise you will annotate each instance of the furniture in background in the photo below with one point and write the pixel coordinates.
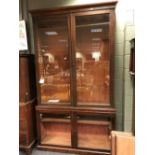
(132, 73)
(27, 101)
(132, 57)
(74, 53)
(123, 143)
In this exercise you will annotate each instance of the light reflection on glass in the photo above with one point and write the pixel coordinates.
(92, 59)
(53, 61)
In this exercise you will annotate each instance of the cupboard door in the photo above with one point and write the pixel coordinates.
(93, 133)
(53, 59)
(92, 54)
(22, 125)
(24, 79)
(55, 129)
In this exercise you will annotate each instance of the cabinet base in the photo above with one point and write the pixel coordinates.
(27, 148)
(72, 150)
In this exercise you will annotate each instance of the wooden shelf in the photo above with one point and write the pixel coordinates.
(94, 142)
(55, 120)
(57, 139)
(102, 123)
(56, 103)
(93, 104)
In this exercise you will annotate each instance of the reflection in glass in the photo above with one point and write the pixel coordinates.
(92, 59)
(53, 60)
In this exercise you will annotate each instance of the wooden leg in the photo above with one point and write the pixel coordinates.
(29, 151)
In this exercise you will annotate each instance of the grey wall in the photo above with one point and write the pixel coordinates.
(125, 31)
(129, 32)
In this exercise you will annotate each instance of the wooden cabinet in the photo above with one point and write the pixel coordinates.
(75, 64)
(122, 143)
(27, 100)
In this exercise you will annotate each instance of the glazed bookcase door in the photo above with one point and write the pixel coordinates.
(55, 129)
(53, 60)
(93, 132)
(92, 48)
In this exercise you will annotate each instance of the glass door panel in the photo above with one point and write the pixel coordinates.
(93, 133)
(92, 59)
(53, 60)
(55, 129)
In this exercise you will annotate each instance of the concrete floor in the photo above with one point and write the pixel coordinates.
(40, 152)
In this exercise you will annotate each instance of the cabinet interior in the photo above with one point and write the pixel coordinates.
(56, 129)
(56, 133)
(93, 134)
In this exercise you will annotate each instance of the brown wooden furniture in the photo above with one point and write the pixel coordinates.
(123, 143)
(27, 102)
(132, 73)
(75, 65)
(132, 56)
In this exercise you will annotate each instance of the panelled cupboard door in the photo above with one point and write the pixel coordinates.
(73, 129)
(93, 132)
(92, 55)
(53, 59)
(55, 129)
